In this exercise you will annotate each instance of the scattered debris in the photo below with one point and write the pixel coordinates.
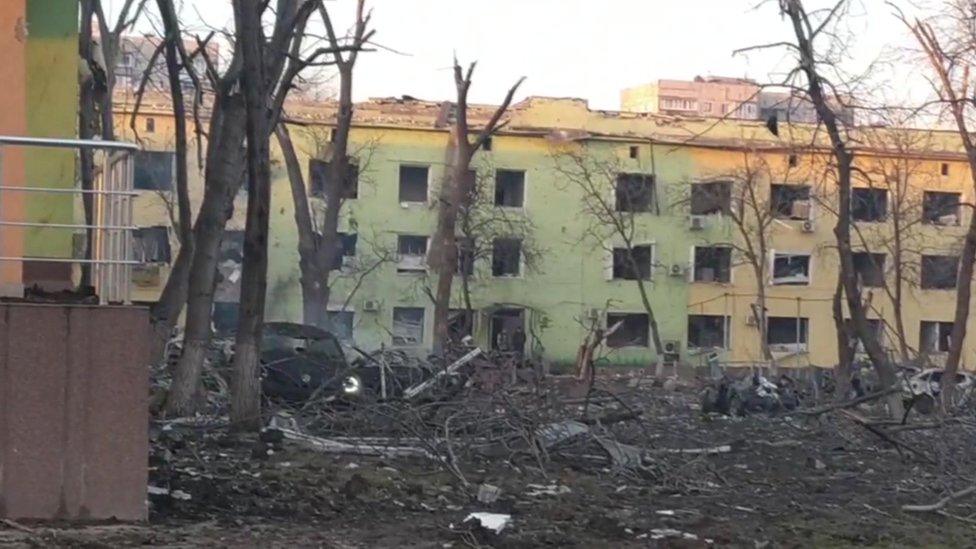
(494, 522)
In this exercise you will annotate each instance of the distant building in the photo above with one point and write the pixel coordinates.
(788, 106)
(707, 96)
(717, 96)
(136, 52)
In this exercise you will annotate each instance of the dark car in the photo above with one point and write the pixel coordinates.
(300, 361)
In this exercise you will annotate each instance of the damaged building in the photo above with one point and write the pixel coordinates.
(555, 280)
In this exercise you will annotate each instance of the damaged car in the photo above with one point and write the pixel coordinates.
(750, 395)
(300, 361)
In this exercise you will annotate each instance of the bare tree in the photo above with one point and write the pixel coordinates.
(810, 77)
(318, 249)
(96, 84)
(902, 177)
(454, 190)
(742, 195)
(480, 223)
(168, 308)
(223, 176)
(612, 201)
(950, 53)
(245, 407)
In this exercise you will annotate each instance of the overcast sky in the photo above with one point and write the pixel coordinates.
(579, 48)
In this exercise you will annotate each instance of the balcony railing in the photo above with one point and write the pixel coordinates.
(112, 223)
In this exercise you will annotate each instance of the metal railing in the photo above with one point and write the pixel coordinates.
(112, 221)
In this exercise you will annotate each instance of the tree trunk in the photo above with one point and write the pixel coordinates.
(313, 279)
(652, 322)
(167, 309)
(845, 354)
(87, 122)
(245, 405)
(445, 252)
(844, 158)
(222, 180)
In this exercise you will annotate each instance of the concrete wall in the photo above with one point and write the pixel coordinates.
(73, 412)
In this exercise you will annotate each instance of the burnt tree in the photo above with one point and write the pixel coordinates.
(455, 189)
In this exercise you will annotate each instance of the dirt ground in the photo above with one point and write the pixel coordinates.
(783, 481)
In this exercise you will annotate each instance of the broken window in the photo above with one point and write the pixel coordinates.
(791, 268)
(151, 245)
(708, 332)
(412, 253)
(319, 176)
(939, 272)
(633, 264)
(934, 336)
(466, 255)
(225, 316)
(506, 257)
(408, 326)
(870, 269)
(347, 250)
(153, 170)
(634, 330)
(341, 324)
(868, 204)
(711, 198)
(150, 125)
(713, 264)
(229, 261)
(940, 208)
(790, 201)
(413, 183)
(787, 333)
(509, 188)
(635, 192)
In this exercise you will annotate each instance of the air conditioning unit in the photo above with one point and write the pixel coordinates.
(371, 305)
(751, 320)
(593, 313)
(676, 270)
(696, 222)
(808, 226)
(671, 346)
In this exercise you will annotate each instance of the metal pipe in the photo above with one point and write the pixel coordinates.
(71, 260)
(67, 191)
(67, 226)
(67, 143)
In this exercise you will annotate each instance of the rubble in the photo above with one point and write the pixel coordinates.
(614, 460)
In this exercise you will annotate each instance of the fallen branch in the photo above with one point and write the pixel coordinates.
(849, 404)
(941, 503)
(421, 387)
(335, 447)
(723, 449)
(863, 422)
(16, 526)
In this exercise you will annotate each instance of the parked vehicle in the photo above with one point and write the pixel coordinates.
(300, 361)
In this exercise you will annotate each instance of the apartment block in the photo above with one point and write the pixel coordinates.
(555, 269)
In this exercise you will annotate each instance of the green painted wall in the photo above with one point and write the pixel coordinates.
(570, 278)
(52, 96)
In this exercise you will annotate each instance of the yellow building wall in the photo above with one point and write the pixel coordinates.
(814, 301)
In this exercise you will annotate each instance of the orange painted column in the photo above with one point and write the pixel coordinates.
(13, 121)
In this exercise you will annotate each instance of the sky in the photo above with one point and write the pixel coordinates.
(577, 48)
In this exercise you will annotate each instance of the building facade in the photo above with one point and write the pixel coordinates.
(553, 267)
(40, 99)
